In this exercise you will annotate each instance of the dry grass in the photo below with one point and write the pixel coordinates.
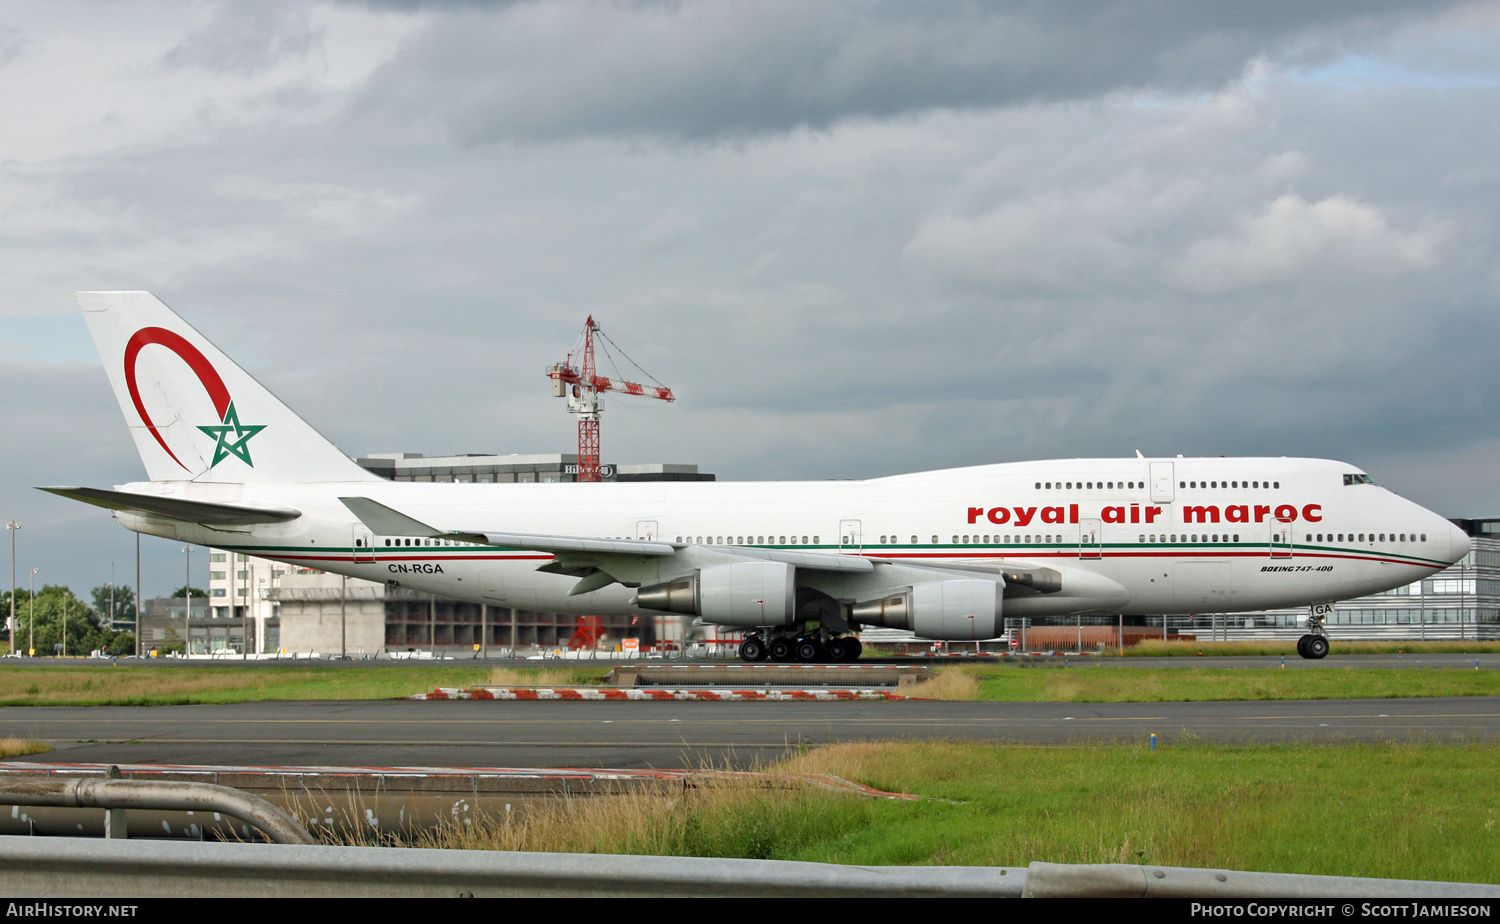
(949, 685)
(17, 747)
(541, 677)
(708, 815)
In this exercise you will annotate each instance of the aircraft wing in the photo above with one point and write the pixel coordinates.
(384, 521)
(599, 562)
(177, 508)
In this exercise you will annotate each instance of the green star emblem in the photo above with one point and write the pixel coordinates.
(236, 446)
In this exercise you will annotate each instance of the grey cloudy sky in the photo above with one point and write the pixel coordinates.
(855, 238)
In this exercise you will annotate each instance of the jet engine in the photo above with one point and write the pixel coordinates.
(964, 610)
(750, 593)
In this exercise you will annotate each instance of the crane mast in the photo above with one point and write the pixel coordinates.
(582, 385)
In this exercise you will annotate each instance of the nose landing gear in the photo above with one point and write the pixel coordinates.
(1314, 645)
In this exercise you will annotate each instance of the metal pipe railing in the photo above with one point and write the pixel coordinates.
(116, 795)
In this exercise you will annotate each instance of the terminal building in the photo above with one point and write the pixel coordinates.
(303, 610)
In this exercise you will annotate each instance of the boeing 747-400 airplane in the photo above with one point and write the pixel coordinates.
(800, 567)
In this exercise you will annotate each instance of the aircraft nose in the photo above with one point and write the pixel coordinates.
(1458, 543)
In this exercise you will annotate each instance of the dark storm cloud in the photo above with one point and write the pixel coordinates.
(715, 70)
(1286, 244)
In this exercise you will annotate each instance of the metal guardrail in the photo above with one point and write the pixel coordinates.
(117, 795)
(1120, 880)
(78, 868)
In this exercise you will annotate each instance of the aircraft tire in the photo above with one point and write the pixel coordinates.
(1317, 647)
(1302, 646)
(837, 650)
(752, 650)
(782, 650)
(809, 650)
(855, 648)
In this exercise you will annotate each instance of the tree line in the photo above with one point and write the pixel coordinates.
(56, 617)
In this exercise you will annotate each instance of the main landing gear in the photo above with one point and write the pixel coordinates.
(814, 648)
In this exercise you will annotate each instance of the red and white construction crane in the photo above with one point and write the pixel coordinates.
(582, 384)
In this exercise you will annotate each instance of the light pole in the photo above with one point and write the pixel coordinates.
(31, 617)
(12, 526)
(137, 595)
(187, 599)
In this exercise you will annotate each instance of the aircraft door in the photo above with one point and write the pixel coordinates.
(1281, 539)
(1162, 488)
(850, 538)
(1089, 532)
(645, 529)
(364, 545)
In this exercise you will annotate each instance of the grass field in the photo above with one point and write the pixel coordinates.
(1389, 811)
(101, 684)
(1156, 648)
(1087, 682)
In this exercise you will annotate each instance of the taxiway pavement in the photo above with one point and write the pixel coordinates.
(689, 734)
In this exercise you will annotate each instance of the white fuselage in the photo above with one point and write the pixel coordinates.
(1130, 536)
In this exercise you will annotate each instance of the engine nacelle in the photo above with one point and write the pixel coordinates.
(748, 593)
(965, 610)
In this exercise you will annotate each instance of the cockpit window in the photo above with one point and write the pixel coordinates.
(1357, 479)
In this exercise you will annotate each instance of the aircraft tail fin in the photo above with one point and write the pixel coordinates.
(194, 413)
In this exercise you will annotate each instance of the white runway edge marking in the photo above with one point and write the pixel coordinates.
(664, 694)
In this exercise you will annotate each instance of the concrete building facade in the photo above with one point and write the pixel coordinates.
(298, 610)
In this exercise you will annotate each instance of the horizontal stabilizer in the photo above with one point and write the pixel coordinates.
(176, 508)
